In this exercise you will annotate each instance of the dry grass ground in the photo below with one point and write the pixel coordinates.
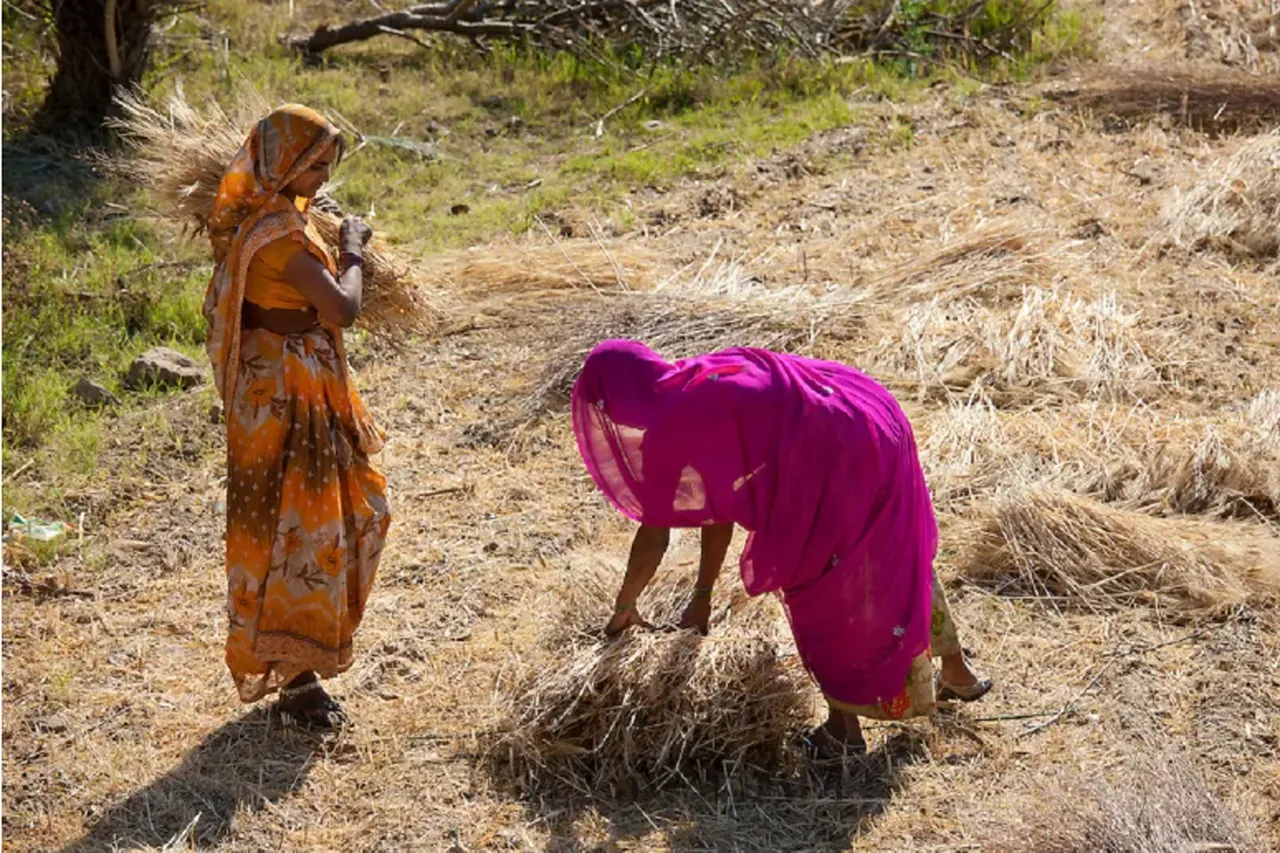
(1012, 273)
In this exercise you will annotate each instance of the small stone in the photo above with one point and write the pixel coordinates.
(653, 124)
(459, 210)
(53, 723)
(493, 102)
(215, 414)
(165, 368)
(514, 124)
(94, 395)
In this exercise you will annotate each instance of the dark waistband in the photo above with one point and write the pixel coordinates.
(280, 321)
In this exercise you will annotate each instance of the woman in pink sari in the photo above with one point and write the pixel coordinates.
(818, 463)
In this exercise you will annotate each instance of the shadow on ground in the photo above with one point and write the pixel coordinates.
(826, 807)
(243, 764)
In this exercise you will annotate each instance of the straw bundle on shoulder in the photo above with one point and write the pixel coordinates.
(181, 154)
(1065, 547)
(649, 708)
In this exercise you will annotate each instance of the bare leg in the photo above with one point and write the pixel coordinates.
(958, 678)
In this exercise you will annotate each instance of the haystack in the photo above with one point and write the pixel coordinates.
(651, 708)
(180, 155)
(1234, 207)
(1071, 549)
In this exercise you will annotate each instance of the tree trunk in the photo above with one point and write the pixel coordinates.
(93, 61)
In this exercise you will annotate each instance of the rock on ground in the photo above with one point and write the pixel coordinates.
(165, 368)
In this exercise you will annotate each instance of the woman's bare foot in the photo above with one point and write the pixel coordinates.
(307, 703)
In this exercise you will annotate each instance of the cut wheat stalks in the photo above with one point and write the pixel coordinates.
(180, 156)
(990, 265)
(1050, 341)
(1234, 207)
(651, 708)
(682, 326)
(1064, 547)
(1154, 804)
(1225, 466)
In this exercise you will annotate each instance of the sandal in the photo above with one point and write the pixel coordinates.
(954, 693)
(322, 713)
(821, 745)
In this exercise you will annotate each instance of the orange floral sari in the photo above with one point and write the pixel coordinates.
(307, 514)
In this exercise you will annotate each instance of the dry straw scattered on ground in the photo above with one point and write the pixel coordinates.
(1156, 804)
(1082, 553)
(180, 154)
(1235, 205)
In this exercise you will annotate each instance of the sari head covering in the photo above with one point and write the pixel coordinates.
(813, 458)
(249, 212)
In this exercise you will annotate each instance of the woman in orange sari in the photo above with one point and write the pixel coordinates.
(307, 514)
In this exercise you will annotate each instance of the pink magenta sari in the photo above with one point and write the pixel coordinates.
(816, 460)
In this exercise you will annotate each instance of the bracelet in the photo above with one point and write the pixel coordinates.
(351, 259)
(701, 592)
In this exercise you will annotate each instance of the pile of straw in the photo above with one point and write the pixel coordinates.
(1218, 103)
(1235, 207)
(180, 155)
(1158, 804)
(684, 318)
(989, 265)
(1067, 548)
(1225, 465)
(651, 708)
(1049, 340)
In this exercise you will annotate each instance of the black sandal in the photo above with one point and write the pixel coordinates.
(952, 693)
(324, 713)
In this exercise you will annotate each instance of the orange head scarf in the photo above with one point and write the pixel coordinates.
(249, 212)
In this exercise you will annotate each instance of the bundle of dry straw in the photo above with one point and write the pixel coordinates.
(180, 155)
(1067, 548)
(717, 306)
(1225, 465)
(1156, 804)
(1235, 207)
(650, 708)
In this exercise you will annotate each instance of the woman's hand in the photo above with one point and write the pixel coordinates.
(354, 235)
(697, 615)
(624, 619)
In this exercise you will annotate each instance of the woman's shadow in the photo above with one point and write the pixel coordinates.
(245, 763)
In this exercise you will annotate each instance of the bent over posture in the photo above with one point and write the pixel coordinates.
(819, 464)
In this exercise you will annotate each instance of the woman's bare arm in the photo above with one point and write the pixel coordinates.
(337, 300)
(647, 551)
(715, 545)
